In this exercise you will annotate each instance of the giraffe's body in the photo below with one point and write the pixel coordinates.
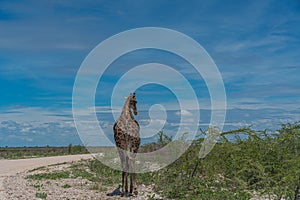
(127, 138)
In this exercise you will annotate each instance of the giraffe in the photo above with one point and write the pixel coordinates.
(127, 137)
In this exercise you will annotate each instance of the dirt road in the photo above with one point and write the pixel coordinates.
(12, 167)
(15, 186)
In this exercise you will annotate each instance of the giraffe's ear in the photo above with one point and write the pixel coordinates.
(130, 94)
(125, 98)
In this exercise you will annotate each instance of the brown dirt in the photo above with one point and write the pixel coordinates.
(14, 185)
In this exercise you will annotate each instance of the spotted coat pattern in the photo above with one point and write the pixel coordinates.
(127, 139)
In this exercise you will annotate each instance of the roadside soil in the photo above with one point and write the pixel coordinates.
(14, 185)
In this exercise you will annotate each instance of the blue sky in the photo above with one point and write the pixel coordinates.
(255, 45)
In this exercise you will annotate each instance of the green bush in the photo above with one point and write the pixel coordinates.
(267, 162)
(41, 195)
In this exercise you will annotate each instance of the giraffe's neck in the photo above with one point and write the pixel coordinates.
(126, 112)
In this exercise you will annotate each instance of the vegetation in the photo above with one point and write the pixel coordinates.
(50, 175)
(74, 171)
(41, 195)
(29, 152)
(264, 162)
(162, 140)
(66, 186)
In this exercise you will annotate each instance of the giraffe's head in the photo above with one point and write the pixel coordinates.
(132, 103)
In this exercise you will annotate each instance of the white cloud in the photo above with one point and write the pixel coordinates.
(184, 113)
(39, 127)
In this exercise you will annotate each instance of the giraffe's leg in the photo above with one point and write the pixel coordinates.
(124, 161)
(126, 175)
(133, 185)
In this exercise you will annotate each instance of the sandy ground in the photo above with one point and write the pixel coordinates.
(12, 167)
(14, 185)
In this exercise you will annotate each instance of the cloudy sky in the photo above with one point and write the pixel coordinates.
(255, 45)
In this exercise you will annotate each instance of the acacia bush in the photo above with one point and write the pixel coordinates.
(263, 162)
